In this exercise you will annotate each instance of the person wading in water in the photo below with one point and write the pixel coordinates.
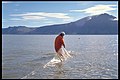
(59, 42)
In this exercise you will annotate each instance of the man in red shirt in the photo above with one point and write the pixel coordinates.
(59, 42)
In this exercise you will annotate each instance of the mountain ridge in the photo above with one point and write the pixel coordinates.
(97, 24)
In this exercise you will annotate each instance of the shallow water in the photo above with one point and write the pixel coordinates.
(94, 57)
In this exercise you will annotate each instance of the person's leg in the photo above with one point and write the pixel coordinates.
(59, 53)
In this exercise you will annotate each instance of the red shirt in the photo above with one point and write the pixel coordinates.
(58, 42)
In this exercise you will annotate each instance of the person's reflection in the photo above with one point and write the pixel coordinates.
(59, 72)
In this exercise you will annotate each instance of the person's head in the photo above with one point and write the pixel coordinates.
(62, 33)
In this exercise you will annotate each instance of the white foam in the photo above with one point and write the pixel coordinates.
(57, 58)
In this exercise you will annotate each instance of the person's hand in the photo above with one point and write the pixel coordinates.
(64, 45)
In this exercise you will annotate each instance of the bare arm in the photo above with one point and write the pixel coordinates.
(63, 43)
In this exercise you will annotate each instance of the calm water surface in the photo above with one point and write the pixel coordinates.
(94, 57)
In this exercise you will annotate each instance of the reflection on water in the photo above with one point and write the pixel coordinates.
(59, 71)
(94, 57)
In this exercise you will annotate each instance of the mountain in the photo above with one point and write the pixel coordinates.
(17, 30)
(97, 24)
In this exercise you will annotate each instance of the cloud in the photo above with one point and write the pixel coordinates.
(41, 15)
(15, 19)
(43, 18)
(3, 2)
(97, 9)
(33, 17)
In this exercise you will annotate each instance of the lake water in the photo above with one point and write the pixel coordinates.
(94, 57)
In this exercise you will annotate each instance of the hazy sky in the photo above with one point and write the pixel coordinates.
(40, 13)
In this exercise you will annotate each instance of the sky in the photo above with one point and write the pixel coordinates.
(41, 13)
